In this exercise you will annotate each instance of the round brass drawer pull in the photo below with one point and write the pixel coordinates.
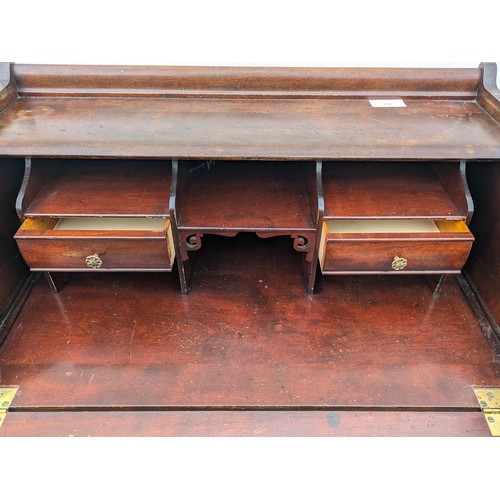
(399, 263)
(93, 261)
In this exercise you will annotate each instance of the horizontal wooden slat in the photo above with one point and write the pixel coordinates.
(245, 423)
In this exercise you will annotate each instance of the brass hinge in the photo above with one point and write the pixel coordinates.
(7, 394)
(489, 401)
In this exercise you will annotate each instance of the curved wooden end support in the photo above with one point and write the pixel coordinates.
(8, 90)
(468, 197)
(454, 178)
(488, 95)
(21, 202)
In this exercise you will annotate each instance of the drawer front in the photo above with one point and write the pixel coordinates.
(97, 254)
(379, 256)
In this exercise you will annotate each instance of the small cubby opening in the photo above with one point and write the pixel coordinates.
(247, 196)
(393, 190)
(245, 256)
(97, 187)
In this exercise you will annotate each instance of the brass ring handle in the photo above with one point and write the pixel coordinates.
(399, 263)
(93, 261)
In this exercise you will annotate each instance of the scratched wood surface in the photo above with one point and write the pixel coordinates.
(244, 423)
(248, 128)
(246, 336)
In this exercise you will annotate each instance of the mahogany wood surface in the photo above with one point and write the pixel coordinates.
(432, 252)
(245, 82)
(369, 256)
(247, 197)
(245, 423)
(111, 188)
(454, 177)
(291, 129)
(247, 336)
(390, 190)
(147, 252)
(248, 352)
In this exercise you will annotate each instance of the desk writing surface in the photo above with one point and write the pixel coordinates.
(247, 128)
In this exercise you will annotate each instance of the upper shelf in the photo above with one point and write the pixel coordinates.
(242, 113)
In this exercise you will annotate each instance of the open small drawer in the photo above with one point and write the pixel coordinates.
(394, 246)
(97, 244)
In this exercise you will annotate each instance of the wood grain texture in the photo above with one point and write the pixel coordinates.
(146, 251)
(241, 82)
(390, 190)
(244, 423)
(291, 129)
(246, 336)
(248, 352)
(369, 256)
(248, 196)
(111, 188)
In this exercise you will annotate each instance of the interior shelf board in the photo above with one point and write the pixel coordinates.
(392, 191)
(271, 196)
(105, 188)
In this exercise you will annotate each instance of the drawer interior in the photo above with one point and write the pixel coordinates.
(95, 224)
(388, 226)
(110, 224)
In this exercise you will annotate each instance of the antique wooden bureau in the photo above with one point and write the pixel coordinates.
(364, 174)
